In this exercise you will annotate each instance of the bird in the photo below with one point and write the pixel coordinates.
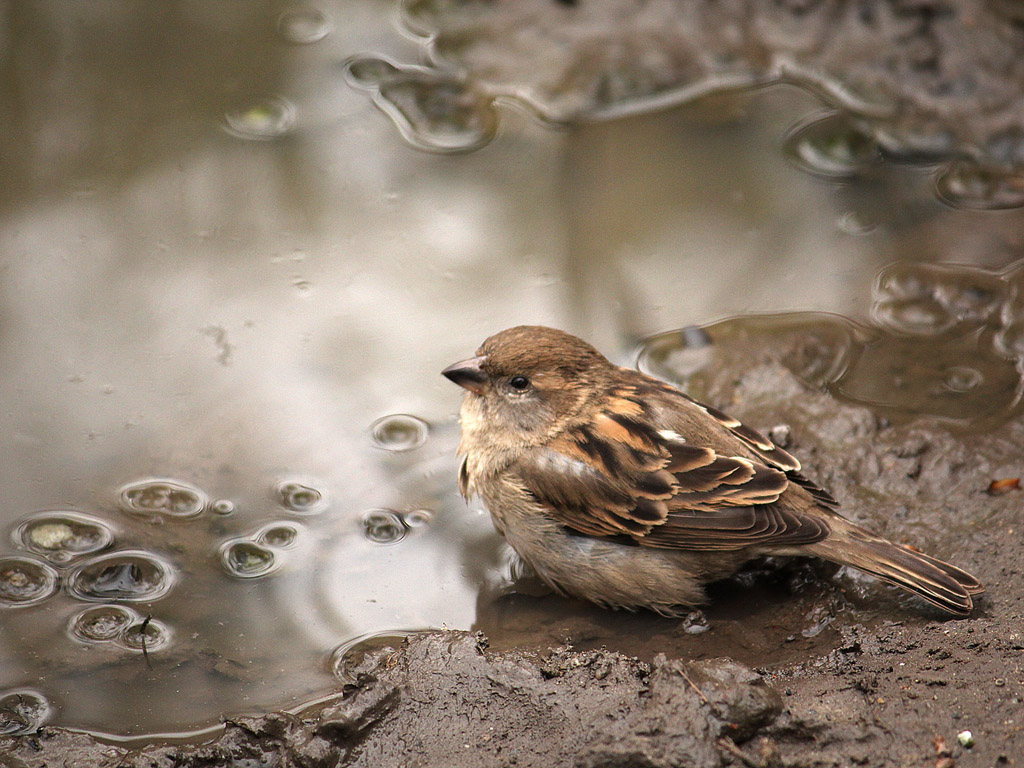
(618, 488)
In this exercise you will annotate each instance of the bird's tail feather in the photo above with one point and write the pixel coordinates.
(941, 584)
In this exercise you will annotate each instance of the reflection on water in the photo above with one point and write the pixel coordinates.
(23, 711)
(226, 452)
(832, 145)
(103, 623)
(434, 111)
(970, 185)
(300, 498)
(131, 576)
(936, 345)
(400, 432)
(25, 581)
(153, 498)
(301, 25)
(268, 119)
(63, 536)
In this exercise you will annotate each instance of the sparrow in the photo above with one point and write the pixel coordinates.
(620, 489)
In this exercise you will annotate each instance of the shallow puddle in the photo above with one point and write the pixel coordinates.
(226, 451)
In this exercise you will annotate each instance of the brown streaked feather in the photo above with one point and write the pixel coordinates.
(765, 449)
(686, 458)
(771, 454)
(735, 528)
(722, 471)
(617, 475)
(587, 498)
(625, 430)
(823, 497)
(651, 511)
(937, 582)
(764, 486)
(660, 485)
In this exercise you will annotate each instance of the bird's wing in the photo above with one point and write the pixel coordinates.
(617, 474)
(764, 449)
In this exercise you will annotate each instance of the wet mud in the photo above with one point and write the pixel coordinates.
(834, 669)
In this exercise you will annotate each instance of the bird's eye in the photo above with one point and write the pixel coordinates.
(519, 382)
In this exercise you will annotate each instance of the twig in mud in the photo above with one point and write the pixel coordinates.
(142, 635)
(699, 692)
(728, 745)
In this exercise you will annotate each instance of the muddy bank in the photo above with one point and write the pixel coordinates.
(441, 699)
(895, 686)
(895, 697)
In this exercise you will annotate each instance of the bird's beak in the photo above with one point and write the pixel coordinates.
(468, 374)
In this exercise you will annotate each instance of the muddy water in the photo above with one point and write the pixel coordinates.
(233, 265)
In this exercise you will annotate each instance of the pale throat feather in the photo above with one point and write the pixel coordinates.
(483, 450)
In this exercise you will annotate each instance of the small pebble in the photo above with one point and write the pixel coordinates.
(780, 435)
(966, 739)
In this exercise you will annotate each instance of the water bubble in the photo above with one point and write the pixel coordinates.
(913, 144)
(147, 635)
(300, 498)
(278, 535)
(25, 581)
(384, 526)
(23, 711)
(780, 434)
(901, 282)
(971, 302)
(303, 25)
(960, 378)
(246, 559)
(159, 499)
(399, 432)
(62, 536)
(931, 299)
(417, 518)
(964, 184)
(102, 623)
(434, 111)
(133, 576)
(440, 116)
(223, 507)
(918, 317)
(832, 146)
(852, 224)
(370, 72)
(265, 120)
